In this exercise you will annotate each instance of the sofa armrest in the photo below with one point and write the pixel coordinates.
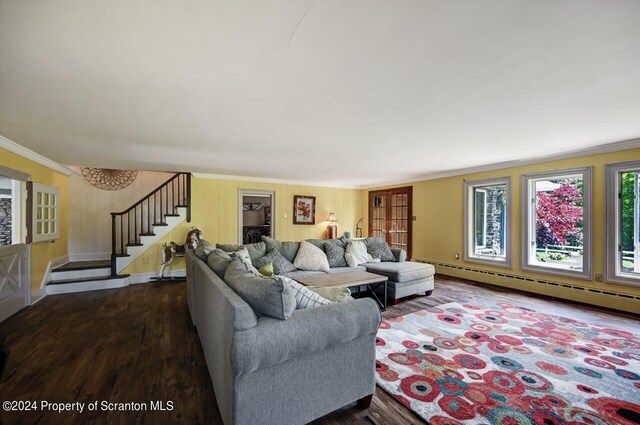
(400, 254)
(309, 330)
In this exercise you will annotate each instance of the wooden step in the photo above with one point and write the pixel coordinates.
(123, 255)
(86, 279)
(147, 234)
(134, 244)
(160, 224)
(82, 265)
(172, 215)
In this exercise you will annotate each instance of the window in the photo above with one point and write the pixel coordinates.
(488, 221)
(623, 222)
(45, 213)
(557, 222)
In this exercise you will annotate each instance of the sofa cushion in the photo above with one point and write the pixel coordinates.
(256, 250)
(356, 253)
(401, 272)
(337, 295)
(301, 273)
(381, 251)
(305, 298)
(287, 249)
(335, 254)
(218, 261)
(310, 257)
(280, 264)
(334, 270)
(267, 296)
(204, 248)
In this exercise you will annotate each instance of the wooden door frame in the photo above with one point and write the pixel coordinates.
(389, 192)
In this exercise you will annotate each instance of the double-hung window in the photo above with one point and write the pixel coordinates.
(556, 222)
(623, 223)
(487, 205)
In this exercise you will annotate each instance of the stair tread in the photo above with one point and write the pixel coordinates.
(160, 224)
(134, 244)
(123, 255)
(86, 279)
(181, 206)
(147, 234)
(172, 215)
(82, 265)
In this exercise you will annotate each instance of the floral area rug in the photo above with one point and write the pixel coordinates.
(508, 365)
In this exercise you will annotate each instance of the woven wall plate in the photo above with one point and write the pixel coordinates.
(109, 179)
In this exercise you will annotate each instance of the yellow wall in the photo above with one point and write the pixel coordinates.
(438, 229)
(215, 211)
(43, 252)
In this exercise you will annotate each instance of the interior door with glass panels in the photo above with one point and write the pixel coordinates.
(390, 216)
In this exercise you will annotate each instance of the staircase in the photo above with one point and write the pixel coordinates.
(133, 231)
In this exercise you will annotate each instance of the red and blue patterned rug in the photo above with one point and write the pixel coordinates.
(508, 365)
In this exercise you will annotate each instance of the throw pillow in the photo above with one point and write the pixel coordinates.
(266, 270)
(243, 252)
(267, 296)
(335, 254)
(287, 249)
(381, 251)
(356, 253)
(305, 297)
(256, 250)
(333, 294)
(218, 261)
(310, 257)
(204, 248)
(280, 264)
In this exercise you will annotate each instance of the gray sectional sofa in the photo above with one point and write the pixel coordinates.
(269, 371)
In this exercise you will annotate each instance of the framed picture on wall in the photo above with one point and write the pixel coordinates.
(304, 209)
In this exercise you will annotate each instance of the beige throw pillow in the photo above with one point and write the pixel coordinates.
(310, 257)
(356, 253)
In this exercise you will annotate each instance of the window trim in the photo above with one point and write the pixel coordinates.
(469, 228)
(613, 223)
(528, 225)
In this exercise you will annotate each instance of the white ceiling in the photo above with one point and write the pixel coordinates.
(329, 92)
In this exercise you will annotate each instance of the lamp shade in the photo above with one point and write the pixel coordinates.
(332, 218)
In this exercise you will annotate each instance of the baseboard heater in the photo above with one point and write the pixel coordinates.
(530, 279)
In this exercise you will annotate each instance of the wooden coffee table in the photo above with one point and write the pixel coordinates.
(356, 279)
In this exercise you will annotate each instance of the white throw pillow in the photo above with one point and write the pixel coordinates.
(356, 254)
(310, 257)
(305, 297)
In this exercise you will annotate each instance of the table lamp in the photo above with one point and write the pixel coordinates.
(332, 229)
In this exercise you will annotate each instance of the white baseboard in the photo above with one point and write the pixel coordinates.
(135, 279)
(90, 256)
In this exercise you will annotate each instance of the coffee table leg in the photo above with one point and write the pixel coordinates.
(381, 305)
(385, 294)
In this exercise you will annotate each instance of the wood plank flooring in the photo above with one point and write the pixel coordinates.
(136, 344)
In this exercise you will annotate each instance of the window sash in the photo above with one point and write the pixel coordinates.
(471, 222)
(529, 223)
(614, 270)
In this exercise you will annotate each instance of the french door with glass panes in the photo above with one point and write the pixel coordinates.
(390, 216)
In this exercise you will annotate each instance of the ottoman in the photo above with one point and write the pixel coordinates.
(405, 278)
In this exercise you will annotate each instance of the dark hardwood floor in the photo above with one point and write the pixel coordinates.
(136, 344)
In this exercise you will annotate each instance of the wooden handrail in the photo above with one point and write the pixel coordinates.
(145, 217)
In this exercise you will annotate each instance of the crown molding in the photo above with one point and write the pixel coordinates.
(275, 181)
(13, 147)
(595, 150)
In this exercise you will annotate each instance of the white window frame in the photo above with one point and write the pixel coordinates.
(46, 209)
(613, 229)
(469, 227)
(528, 222)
